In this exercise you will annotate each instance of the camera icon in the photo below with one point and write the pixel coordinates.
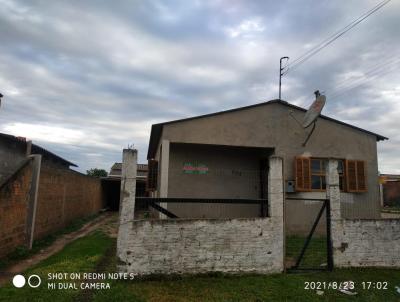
(19, 281)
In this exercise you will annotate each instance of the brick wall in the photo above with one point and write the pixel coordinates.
(13, 207)
(367, 243)
(203, 245)
(65, 195)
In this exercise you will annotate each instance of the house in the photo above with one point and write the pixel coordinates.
(391, 190)
(13, 151)
(224, 155)
(112, 184)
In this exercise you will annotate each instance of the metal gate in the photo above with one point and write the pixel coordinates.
(308, 235)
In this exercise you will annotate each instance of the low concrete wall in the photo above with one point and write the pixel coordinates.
(176, 246)
(199, 246)
(367, 243)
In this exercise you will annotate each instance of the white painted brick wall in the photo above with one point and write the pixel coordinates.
(367, 243)
(199, 246)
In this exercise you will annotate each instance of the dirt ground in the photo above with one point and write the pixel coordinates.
(107, 222)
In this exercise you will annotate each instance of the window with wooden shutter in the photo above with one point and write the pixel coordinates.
(356, 176)
(152, 175)
(303, 174)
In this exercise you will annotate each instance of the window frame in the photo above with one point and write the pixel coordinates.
(321, 173)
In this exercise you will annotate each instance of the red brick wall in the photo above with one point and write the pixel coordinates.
(13, 207)
(65, 195)
(391, 193)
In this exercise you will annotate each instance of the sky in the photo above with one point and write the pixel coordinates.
(84, 79)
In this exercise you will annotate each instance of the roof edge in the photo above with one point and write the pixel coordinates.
(156, 129)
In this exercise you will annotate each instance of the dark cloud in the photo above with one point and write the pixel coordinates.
(87, 78)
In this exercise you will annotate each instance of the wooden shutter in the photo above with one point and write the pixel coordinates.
(361, 183)
(355, 176)
(303, 173)
(152, 175)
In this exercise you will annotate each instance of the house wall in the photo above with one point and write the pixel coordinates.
(273, 126)
(232, 173)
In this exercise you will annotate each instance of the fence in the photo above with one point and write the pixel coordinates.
(188, 245)
(198, 245)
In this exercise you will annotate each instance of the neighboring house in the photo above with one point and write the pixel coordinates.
(112, 184)
(224, 155)
(391, 190)
(14, 150)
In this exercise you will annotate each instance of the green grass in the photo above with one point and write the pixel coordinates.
(81, 255)
(22, 252)
(87, 255)
(315, 255)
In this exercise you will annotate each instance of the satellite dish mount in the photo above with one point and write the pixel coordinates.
(310, 118)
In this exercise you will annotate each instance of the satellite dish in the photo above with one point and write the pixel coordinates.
(315, 109)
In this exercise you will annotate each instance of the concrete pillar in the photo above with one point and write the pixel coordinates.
(276, 204)
(333, 189)
(333, 194)
(275, 187)
(164, 172)
(127, 198)
(164, 168)
(33, 196)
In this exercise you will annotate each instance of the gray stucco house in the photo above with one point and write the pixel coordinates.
(224, 155)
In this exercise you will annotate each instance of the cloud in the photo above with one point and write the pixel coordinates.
(86, 78)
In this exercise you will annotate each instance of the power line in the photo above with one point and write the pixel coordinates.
(376, 69)
(307, 55)
(346, 82)
(363, 82)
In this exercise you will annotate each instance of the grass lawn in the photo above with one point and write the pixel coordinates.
(22, 252)
(315, 255)
(87, 254)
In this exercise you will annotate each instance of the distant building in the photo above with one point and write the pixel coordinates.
(112, 184)
(14, 150)
(391, 190)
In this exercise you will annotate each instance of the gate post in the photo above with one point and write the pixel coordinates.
(333, 190)
(276, 201)
(333, 217)
(127, 197)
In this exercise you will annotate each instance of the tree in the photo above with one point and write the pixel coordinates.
(97, 172)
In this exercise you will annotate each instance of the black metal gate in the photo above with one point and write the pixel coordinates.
(308, 241)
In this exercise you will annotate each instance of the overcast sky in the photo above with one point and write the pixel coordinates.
(86, 78)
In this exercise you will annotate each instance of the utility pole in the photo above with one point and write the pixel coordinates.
(281, 74)
(0, 98)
